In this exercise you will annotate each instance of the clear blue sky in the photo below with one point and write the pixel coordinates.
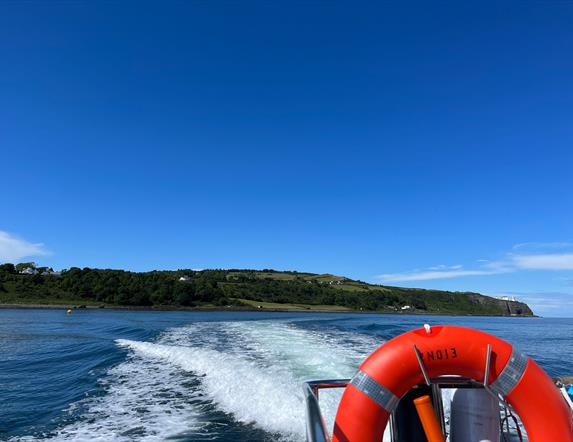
(410, 143)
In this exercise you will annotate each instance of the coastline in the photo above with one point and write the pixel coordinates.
(236, 309)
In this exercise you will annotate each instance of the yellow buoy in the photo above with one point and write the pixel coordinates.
(69, 311)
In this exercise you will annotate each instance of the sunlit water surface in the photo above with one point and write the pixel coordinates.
(195, 376)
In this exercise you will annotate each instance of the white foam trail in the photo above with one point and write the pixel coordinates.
(305, 353)
(250, 370)
(144, 400)
(269, 398)
(254, 370)
(308, 354)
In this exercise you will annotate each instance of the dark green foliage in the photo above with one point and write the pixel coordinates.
(24, 265)
(7, 268)
(190, 288)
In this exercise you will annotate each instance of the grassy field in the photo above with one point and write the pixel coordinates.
(248, 304)
(271, 290)
(293, 307)
(338, 282)
(9, 298)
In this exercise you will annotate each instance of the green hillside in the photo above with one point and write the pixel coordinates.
(261, 289)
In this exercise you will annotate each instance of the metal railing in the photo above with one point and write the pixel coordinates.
(316, 430)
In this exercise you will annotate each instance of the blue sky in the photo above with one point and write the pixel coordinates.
(412, 144)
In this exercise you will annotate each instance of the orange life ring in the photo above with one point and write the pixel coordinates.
(393, 369)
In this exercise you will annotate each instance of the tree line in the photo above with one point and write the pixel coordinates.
(189, 288)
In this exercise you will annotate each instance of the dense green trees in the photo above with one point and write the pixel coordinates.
(189, 288)
(118, 286)
(24, 265)
(7, 268)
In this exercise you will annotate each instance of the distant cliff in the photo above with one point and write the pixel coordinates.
(511, 308)
(266, 289)
(504, 307)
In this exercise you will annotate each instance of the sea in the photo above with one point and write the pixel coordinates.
(124, 375)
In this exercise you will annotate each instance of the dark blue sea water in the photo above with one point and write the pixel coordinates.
(145, 376)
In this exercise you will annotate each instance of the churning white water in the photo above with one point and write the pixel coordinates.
(254, 370)
(250, 371)
(126, 376)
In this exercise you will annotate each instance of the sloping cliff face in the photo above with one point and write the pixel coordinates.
(515, 308)
(506, 308)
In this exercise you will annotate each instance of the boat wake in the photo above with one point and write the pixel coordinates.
(198, 382)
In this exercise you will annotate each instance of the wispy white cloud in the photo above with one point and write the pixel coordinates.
(542, 245)
(549, 261)
(550, 303)
(440, 267)
(539, 257)
(13, 248)
(436, 274)
(444, 267)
